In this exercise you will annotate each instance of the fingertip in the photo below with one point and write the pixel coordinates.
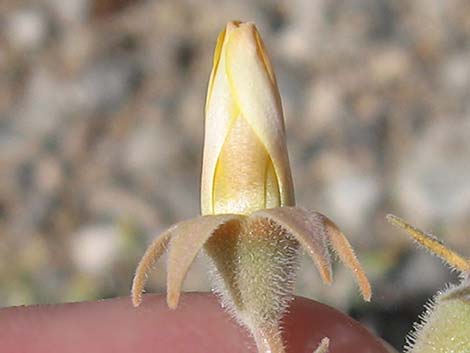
(199, 324)
(344, 333)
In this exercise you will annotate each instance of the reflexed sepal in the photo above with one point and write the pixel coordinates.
(315, 232)
(185, 240)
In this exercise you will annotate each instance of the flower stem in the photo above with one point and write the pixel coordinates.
(269, 340)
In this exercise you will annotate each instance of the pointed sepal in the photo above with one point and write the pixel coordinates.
(186, 242)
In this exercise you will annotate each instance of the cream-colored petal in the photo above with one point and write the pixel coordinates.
(243, 86)
(307, 228)
(272, 196)
(221, 111)
(187, 239)
(153, 252)
(221, 40)
(215, 65)
(346, 253)
(240, 178)
(258, 99)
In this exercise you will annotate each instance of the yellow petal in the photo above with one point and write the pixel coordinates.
(254, 89)
(245, 162)
(220, 111)
(243, 171)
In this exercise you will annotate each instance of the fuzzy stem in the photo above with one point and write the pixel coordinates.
(269, 340)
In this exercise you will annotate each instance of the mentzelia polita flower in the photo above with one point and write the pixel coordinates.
(249, 228)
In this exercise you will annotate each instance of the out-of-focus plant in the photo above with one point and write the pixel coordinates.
(249, 228)
(445, 326)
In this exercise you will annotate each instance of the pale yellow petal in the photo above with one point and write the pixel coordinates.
(258, 99)
(221, 111)
(272, 196)
(240, 178)
(221, 40)
(215, 65)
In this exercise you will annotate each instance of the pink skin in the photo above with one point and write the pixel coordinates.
(198, 325)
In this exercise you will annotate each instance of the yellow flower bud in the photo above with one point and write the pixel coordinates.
(249, 228)
(245, 163)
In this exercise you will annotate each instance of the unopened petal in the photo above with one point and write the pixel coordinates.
(258, 99)
(243, 86)
(243, 170)
(220, 113)
(215, 64)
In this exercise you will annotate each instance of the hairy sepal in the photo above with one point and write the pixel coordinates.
(254, 271)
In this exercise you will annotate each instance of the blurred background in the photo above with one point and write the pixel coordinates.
(101, 117)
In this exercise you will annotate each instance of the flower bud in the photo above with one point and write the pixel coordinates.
(245, 163)
(248, 227)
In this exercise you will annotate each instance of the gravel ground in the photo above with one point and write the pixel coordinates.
(101, 113)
